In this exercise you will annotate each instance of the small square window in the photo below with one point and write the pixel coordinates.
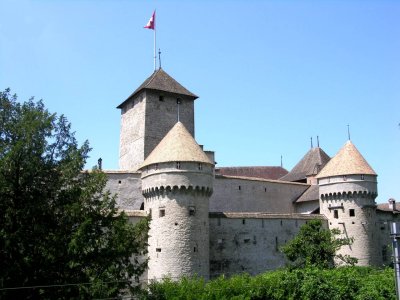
(158, 249)
(162, 212)
(352, 213)
(192, 211)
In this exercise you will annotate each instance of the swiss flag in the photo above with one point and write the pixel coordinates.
(152, 22)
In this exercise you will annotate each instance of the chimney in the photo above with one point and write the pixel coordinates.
(392, 204)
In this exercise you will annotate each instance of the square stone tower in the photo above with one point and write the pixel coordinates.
(148, 115)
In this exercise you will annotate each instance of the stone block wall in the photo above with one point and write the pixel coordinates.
(128, 188)
(162, 115)
(235, 194)
(250, 242)
(132, 132)
(146, 119)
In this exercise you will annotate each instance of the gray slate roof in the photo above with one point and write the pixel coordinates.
(314, 160)
(161, 81)
(265, 172)
(311, 194)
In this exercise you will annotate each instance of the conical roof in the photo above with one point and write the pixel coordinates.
(161, 81)
(314, 160)
(177, 145)
(347, 161)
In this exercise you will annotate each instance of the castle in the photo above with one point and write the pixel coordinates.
(210, 221)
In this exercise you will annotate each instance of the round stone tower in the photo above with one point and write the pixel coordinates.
(348, 188)
(177, 182)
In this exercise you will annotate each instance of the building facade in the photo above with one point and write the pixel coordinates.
(209, 221)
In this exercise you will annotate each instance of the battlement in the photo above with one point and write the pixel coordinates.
(165, 191)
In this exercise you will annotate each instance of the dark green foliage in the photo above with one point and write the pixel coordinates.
(310, 283)
(317, 246)
(57, 226)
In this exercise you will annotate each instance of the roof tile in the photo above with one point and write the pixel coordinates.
(177, 145)
(347, 161)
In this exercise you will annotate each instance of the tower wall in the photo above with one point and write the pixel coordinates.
(146, 119)
(178, 202)
(349, 204)
(131, 141)
(161, 116)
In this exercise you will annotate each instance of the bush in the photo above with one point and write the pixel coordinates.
(347, 283)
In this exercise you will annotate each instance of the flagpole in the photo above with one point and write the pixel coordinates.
(155, 47)
(152, 25)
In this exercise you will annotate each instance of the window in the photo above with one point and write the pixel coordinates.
(344, 177)
(240, 187)
(352, 212)
(336, 214)
(243, 221)
(200, 166)
(162, 212)
(161, 98)
(158, 249)
(362, 177)
(384, 253)
(156, 166)
(178, 164)
(192, 210)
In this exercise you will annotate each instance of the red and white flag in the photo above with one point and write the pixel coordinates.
(152, 22)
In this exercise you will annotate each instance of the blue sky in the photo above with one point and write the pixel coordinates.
(270, 74)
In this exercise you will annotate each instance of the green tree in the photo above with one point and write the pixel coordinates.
(58, 227)
(317, 246)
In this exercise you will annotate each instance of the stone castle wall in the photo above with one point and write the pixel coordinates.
(349, 204)
(250, 242)
(178, 202)
(127, 187)
(234, 194)
(161, 116)
(132, 132)
(145, 120)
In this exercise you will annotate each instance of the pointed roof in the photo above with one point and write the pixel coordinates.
(177, 145)
(161, 81)
(347, 161)
(314, 160)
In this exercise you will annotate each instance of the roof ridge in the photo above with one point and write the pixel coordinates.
(152, 76)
